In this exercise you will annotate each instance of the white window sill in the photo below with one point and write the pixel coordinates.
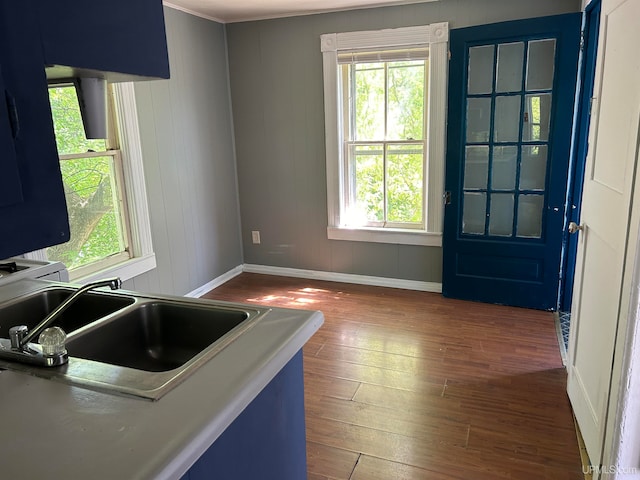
(125, 270)
(386, 235)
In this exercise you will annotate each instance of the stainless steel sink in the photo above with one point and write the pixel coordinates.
(157, 336)
(127, 343)
(31, 309)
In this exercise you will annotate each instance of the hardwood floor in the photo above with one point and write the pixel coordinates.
(410, 385)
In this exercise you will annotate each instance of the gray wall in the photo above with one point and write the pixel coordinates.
(187, 144)
(277, 96)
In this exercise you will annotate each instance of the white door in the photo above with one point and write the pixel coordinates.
(600, 302)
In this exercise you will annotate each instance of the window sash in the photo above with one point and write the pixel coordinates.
(118, 187)
(116, 178)
(348, 82)
(350, 186)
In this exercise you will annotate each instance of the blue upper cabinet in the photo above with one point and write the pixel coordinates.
(11, 192)
(33, 211)
(117, 39)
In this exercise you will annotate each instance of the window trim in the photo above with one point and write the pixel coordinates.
(436, 36)
(143, 258)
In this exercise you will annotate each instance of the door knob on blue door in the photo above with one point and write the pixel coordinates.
(574, 227)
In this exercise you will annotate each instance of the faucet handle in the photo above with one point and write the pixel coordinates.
(16, 334)
(52, 340)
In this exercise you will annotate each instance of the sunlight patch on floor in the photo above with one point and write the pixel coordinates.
(298, 298)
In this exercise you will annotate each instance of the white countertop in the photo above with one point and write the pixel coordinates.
(54, 430)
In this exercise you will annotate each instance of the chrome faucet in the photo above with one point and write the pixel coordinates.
(113, 283)
(19, 348)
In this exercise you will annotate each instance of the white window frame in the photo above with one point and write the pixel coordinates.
(142, 258)
(436, 37)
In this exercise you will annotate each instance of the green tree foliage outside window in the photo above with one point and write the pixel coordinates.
(89, 184)
(387, 145)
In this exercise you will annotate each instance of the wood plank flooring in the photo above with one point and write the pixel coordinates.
(404, 385)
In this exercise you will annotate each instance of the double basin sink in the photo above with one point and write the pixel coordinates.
(127, 343)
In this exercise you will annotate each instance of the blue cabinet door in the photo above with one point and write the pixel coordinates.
(511, 95)
(267, 441)
(11, 188)
(108, 38)
(39, 219)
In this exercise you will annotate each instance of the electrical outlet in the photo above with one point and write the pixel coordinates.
(255, 236)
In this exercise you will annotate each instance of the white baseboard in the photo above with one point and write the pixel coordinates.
(216, 282)
(345, 278)
(316, 275)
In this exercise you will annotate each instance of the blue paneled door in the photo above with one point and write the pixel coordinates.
(511, 96)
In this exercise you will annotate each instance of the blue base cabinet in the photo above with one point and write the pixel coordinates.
(267, 441)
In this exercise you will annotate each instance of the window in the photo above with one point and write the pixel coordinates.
(104, 188)
(94, 190)
(385, 101)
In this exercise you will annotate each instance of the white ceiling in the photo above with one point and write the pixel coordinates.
(229, 11)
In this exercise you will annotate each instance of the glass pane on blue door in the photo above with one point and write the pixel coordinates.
(540, 65)
(480, 62)
(478, 119)
(533, 169)
(509, 67)
(507, 119)
(537, 112)
(501, 214)
(530, 216)
(475, 213)
(505, 162)
(476, 166)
